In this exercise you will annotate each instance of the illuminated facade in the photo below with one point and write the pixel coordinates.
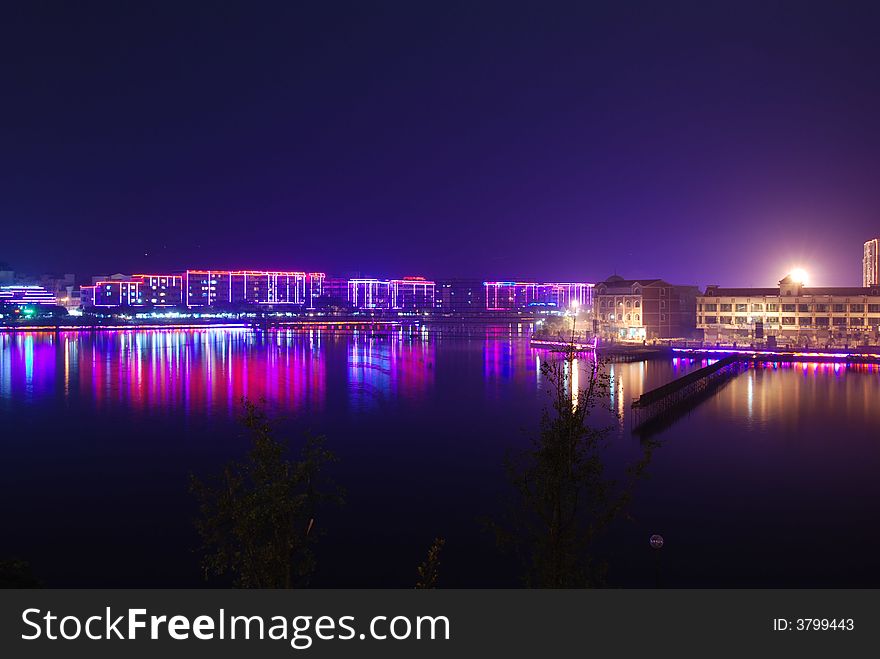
(160, 290)
(112, 293)
(871, 263)
(26, 295)
(412, 294)
(644, 309)
(511, 295)
(204, 288)
(369, 293)
(566, 295)
(792, 313)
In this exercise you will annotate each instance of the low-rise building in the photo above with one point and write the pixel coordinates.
(644, 309)
(25, 295)
(792, 314)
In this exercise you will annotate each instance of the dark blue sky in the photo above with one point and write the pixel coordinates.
(702, 144)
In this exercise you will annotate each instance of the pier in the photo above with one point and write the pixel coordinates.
(682, 394)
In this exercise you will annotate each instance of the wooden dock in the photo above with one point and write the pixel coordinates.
(680, 395)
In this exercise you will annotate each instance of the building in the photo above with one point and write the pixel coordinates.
(791, 314)
(460, 296)
(871, 263)
(205, 288)
(112, 293)
(334, 293)
(160, 290)
(518, 295)
(369, 293)
(510, 295)
(644, 309)
(412, 294)
(565, 295)
(22, 296)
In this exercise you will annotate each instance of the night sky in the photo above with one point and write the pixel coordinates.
(556, 141)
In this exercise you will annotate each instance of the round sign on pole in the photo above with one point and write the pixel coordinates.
(656, 541)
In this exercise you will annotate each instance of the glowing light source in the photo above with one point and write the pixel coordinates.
(799, 276)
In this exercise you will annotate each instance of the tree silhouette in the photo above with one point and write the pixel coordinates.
(564, 498)
(258, 519)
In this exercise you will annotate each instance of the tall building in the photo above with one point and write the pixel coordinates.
(792, 313)
(871, 263)
(644, 309)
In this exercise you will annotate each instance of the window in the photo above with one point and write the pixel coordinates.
(788, 320)
(838, 308)
(726, 320)
(740, 320)
(821, 308)
(742, 308)
(874, 308)
(638, 303)
(857, 308)
(856, 321)
(774, 320)
(772, 307)
(757, 307)
(714, 307)
(788, 308)
(711, 320)
(662, 318)
(803, 308)
(662, 304)
(838, 322)
(726, 307)
(637, 317)
(805, 321)
(822, 321)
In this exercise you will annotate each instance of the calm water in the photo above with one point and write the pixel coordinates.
(773, 481)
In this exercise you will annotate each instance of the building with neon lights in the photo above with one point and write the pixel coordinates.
(515, 295)
(112, 293)
(412, 294)
(369, 293)
(204, 288)
(791, 314)
(160, 290)
(137, 290)
(21, 296)
(644, 309)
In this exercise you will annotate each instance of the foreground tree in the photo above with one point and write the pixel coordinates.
(258, 519)
(565, 500)
(429, 570)
(17, 574)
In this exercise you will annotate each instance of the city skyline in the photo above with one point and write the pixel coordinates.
(683, 141)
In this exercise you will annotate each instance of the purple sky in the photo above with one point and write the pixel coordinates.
(545, 140)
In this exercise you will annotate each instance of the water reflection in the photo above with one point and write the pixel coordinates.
(736, 484)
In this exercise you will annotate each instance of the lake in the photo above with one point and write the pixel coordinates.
(772, 481)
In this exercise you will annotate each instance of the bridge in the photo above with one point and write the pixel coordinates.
(655, 406)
